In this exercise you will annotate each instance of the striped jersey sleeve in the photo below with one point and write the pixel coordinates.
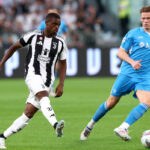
(27, 38)
(64, 50)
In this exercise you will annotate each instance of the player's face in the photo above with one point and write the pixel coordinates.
(145, 19)
(52, 26)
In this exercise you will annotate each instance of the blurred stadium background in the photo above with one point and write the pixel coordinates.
(94, 37)
(95, 32)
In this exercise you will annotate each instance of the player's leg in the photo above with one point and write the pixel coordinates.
(18, 124)
(39, 97)
(48, 112)
(122, 86)
(138, 111)
(101, 111)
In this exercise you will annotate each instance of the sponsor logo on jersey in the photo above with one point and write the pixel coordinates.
(147, 45)
(45, 51)
(43, 58)
(40, 43)
(141, 44)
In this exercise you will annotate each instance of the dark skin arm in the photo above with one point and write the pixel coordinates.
(62, 75)
(9, 53)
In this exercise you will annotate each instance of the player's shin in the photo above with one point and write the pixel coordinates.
(101, 111)
(47, 110)
(17, 125)
(136, 113)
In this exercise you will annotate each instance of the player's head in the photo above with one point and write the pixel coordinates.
(145, 18)
(52, 21)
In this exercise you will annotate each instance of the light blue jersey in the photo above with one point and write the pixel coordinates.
(62, 28)
(137, 44)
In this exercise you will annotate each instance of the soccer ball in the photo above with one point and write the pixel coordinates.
(145, 139)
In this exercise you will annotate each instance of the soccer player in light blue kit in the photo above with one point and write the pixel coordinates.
(134, 76)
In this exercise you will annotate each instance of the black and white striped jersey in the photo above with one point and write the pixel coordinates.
(42, 54)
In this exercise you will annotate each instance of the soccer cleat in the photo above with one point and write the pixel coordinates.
(122, 133)
(59, 128)
(2, 143)
(85, 133)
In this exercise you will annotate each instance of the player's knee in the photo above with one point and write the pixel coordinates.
(29, 114)
(41, 94)
(112, 101)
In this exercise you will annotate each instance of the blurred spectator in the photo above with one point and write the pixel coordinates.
(82, 5)
(9, 42)
(1, 43)
(69, 16)
(38, 4)
(73, 40)
(89, 37)
(25, 21)
(91, 16)
(2, 18)
(22, 7)
(76, 37)
(124, 11)
(88, 23)
(100, 7)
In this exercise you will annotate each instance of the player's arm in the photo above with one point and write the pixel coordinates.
(122, 54)
(10, 52)
(62, 75)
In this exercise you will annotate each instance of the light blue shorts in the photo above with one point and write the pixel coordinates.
(125, 84)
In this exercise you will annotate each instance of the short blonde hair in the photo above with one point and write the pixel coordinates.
(53, 10)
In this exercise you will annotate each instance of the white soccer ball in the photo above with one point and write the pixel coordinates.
(145, 139)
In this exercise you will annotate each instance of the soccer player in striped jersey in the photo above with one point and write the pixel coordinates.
(134, 76)
(62, 31)
(45, 47)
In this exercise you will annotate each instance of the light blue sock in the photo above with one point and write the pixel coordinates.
(136, 113)
(102, 110)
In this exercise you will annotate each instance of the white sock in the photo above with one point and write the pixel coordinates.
(17, 125)
(91, 124)
(124, 125)
(47, 110)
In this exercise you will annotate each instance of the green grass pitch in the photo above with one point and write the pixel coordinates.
(82, 97)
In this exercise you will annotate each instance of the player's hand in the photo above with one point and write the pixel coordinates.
(59, 90)
(136, 64)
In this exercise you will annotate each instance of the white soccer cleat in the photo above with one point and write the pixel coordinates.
(84, 134)
(122, 133)
(59, 128)
(2, 143)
